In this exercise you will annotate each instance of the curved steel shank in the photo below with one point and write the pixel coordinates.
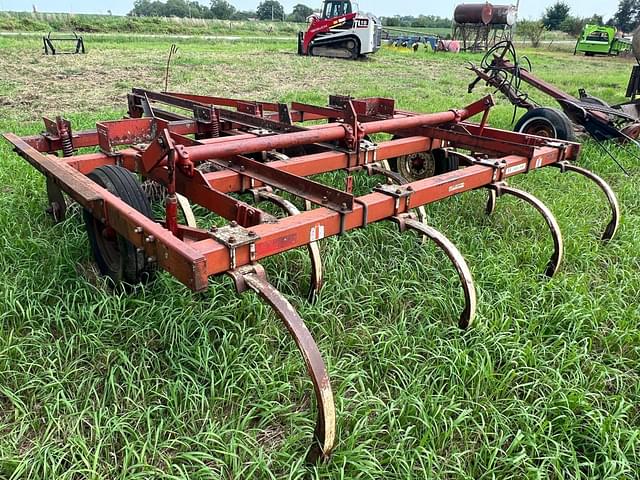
(491, 202)
(554, 262)
(466, 279)
(314, 249)
(185, 206)
(612, 226)
(254, 277)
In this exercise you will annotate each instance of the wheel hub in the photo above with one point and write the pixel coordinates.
(109, 233)
(416, 166)
(541, 129)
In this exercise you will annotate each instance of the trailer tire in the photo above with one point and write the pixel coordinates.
(421, 165)
(116, 257)
(546, 122)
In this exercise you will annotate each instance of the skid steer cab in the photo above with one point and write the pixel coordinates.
(340, 31)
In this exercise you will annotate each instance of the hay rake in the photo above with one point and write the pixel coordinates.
(503, 69)
(204, 148)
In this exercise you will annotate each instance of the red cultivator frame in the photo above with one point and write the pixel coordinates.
(210, 151)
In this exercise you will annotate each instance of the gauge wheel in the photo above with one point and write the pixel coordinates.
(417, 166)
(116, 257)
(546, 122)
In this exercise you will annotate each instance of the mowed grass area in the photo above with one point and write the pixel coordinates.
(165, 383)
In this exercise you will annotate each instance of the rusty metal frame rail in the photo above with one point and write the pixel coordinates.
(171, 148)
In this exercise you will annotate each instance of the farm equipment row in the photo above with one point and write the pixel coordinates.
(204, 149)
(413, 40)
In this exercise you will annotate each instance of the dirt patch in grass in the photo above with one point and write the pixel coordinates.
(99, 80)
(67, 84)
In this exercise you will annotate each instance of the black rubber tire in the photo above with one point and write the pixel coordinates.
(116, 257)
(442, 164)
(546, 122)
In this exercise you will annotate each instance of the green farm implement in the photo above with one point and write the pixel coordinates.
(601, 40)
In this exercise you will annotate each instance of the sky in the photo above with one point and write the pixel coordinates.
(528, 8)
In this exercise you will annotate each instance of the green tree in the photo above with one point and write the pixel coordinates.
(420, 22)
(626, 18)
(270, 10)
(176, 8)
(141, 8)
(222, 9)
(555, 15)
(170, 8)
(531, 30)
(391, 21)
(300, 13)
(572, 25)
(243, 15)
(595, 19)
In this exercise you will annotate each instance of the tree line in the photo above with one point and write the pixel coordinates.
(220, 9)
(558, 17)
(627, 18)
(430, 21)
(266, 10)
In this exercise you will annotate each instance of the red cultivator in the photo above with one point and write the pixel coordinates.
(206, 152)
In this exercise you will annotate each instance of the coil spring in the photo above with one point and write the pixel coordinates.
(65, 138)
(210, 129)
(67, 145)
(213, 129)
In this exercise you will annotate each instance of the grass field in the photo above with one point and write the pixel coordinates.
(165, 383)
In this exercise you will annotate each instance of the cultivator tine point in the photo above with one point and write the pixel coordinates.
(612, 226)
(185, 206)
(554, 262)
(491, 202)
(254, 277)
(317, 277)
(466, 279)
